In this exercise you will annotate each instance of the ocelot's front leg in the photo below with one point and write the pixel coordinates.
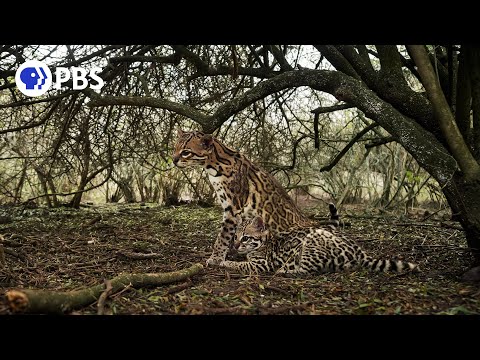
(245, 267)
(225, 237)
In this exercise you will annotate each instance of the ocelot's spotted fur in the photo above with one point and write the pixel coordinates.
(302, 250)
(244, 189)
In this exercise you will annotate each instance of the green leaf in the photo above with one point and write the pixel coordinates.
(364, 305)
(458, 310)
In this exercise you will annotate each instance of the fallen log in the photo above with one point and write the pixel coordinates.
(45, 301)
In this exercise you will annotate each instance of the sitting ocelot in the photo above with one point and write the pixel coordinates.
(302, 250)
(243, 188)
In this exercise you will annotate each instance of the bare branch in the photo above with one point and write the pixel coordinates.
(278, 55)
(92, 55)
(338, 60)
(328, 109)
(90, 178)
(378, 142)
(421, 143)
(294, 152)
(192, 57)
(25, 102)
(362, 65)
(42, 121)
(169, 59)
(149, 101)
(347, 147)
(44, 301)
(261, 73)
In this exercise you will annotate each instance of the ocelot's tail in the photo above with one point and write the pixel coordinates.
(334, 217)
(387, 265)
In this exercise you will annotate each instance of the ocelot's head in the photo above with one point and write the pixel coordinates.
(251, 236)
(192, 148)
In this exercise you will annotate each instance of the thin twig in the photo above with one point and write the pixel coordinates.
(415, 224)
(103, 297)
(179, 288)
(93, 221)
(432, 214)
(452, 226)
(129, 286)
(281, 310)
(138, 256)
(446, 247)
(281, 291)
(225, 310)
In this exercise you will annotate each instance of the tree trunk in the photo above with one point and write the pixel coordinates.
(77, 198)
(75, 202)
(43, 183)
(53, 189)
(17, 197)
(127, 188)
(464, 200)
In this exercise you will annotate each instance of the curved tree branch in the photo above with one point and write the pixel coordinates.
(185, 110)
(426, 149)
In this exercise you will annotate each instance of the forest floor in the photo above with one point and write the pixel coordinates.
(66, 249)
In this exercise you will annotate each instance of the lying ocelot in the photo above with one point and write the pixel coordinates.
(243, 188)
(302, 250)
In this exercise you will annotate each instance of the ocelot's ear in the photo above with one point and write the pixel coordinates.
(207, 141)
(259, 224)
(179, 133)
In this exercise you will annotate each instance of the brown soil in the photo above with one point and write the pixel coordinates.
(67, 249)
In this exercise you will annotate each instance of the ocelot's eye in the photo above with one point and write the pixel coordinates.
(185, 153)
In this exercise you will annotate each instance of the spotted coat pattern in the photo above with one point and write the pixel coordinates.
(302, 250)
(243, 188)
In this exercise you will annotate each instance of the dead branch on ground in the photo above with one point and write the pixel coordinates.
(44, 301)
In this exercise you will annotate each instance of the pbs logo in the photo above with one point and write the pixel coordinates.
(34, 78)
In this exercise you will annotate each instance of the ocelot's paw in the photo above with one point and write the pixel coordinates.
(214, 261)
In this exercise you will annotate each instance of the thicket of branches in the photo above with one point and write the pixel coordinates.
(71, 146)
